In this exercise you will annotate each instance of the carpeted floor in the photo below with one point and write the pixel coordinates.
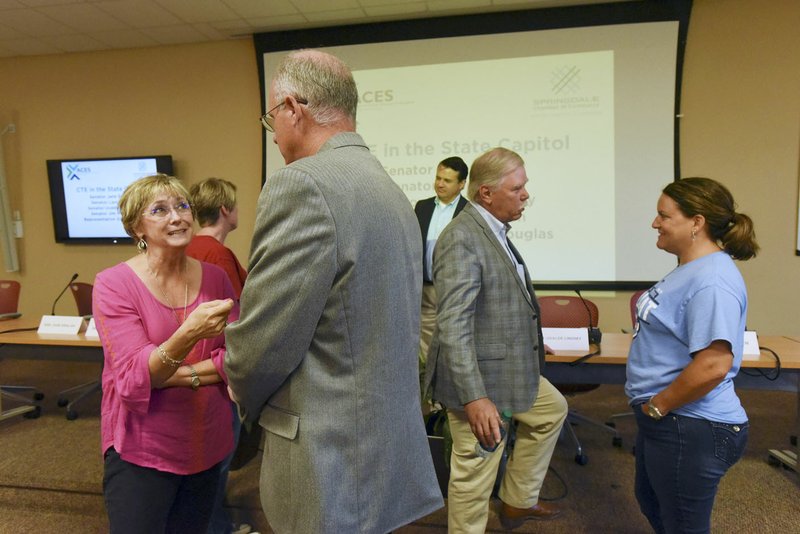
(51, 470)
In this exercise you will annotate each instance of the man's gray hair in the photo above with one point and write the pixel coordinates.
(321, 79)
(490, 168)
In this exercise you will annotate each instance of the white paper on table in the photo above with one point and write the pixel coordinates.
(566, 338)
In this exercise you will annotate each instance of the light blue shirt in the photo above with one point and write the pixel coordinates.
(442, 215)
(500, 231)
(697, 303)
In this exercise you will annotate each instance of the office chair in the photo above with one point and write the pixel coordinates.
(9, 302)
(83, 297)
(572, 312)
(83, 300)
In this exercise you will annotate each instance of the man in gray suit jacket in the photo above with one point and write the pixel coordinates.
(324, 355)
(487, 353)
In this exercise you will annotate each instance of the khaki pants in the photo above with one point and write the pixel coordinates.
(427, 322)
(472, 478)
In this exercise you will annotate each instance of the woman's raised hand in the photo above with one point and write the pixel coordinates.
(209, 319)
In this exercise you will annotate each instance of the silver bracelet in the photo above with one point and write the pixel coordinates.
(165, 359)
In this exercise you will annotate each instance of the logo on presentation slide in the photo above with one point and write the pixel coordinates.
(73, 170)
(565, 80)
(567, 93)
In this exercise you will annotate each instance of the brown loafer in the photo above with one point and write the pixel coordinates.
(511, 517)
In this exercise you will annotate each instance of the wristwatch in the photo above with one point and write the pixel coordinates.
(195, 378)
(652, 411)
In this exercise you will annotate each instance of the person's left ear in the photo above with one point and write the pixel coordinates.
(699, 222)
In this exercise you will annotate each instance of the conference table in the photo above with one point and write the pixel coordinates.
(20, 340)
(757, 372)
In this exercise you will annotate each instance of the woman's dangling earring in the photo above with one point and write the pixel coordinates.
(694, 234)
(141, 245)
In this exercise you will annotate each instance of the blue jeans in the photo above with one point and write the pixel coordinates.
(679, 463)
(220, 520)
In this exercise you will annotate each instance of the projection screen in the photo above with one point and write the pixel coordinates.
(591, 110)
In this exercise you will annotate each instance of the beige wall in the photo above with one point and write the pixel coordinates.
(741, 125)
(199, 103)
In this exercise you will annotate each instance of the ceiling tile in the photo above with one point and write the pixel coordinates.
(138, 13)
(40, 3)
(285, 22)
(184, 33)
(232, 27)
(343, 16)
(456, 5)
(261, 8)
(124, 39)
(11, 4)
(373, 3)
(314, 6)
(210, 31)
(114, 23)
(198, 10)
(396, 9)
(10, 33)
(536, 4)
(83, 16)
(29, 47)
(33, 23)
(74, 43)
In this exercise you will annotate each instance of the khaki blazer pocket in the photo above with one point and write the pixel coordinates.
(279, 422)
(491, 351)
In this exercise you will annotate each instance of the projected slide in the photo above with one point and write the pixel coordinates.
(92, 190)
(563, 129)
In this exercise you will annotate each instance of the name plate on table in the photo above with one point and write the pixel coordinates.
(751, 349)
(566, 338)
(91, 330)
(60, 324)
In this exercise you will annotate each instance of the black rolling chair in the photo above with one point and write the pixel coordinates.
(9, 302)
(571, 312)
(83, 299)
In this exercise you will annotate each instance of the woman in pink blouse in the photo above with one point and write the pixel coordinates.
(165, 416)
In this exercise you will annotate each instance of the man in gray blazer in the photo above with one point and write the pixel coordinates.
(324, 355)
(487, 353)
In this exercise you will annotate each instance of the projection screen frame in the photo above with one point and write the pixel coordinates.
(626, 12)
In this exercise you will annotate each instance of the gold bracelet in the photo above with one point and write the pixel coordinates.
(165, 359)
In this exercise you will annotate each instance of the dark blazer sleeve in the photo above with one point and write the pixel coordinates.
(461, 203)
(424, 211)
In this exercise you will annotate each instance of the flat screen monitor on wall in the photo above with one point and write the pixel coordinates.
(85, 193)
(587, 95)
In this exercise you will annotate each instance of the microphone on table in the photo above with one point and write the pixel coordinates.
(595, 335)
(74, 276)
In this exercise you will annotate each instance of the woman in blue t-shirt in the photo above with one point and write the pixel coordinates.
(686, 350)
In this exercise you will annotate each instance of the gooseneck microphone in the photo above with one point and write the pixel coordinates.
(53, 310)
(595, 335)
